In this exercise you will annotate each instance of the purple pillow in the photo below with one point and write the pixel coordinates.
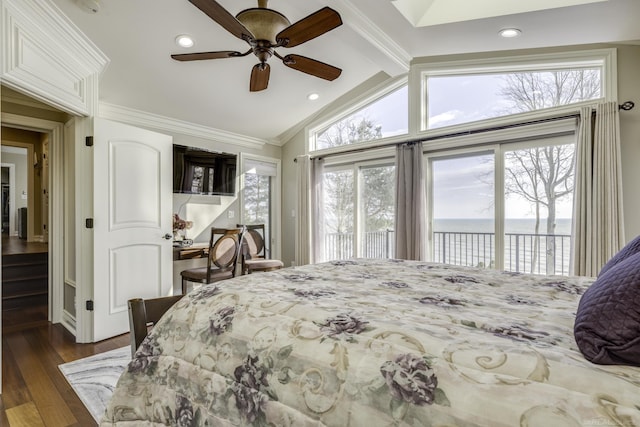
(632, 248)
(607, 327)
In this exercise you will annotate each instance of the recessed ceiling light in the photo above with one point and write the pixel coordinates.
(313, 96)
(184, 40)
(510, 32)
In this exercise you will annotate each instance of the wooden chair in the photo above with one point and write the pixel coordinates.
(221, 259)
(255, 254)
(144, 313)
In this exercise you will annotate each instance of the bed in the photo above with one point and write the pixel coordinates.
(374, 343)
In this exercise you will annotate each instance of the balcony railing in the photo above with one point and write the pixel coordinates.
(376, 244)
(523, 253)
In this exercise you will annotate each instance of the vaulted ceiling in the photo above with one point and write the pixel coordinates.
(377, 36)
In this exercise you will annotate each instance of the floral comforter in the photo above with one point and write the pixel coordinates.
(374, 343)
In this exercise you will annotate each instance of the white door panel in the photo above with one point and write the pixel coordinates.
(132, 215)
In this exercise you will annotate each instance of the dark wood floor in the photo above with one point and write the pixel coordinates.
(34, 391)
(16, 317)
(14, 245)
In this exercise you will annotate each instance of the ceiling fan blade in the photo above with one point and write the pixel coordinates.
(259, 77)
(219, 14)
(205, 55)
(314, 25)
(311, 66)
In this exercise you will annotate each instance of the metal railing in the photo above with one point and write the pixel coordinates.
(375, 244)
(523, 253)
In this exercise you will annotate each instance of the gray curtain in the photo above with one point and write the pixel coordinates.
(303, 231)
(410, 203)
(310, 207)
(317, 216)
(598, 218)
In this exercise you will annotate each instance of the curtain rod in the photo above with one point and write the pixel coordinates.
(625, 106)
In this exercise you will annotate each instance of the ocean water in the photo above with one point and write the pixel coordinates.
(512, 225)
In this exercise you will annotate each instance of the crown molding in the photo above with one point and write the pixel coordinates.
(362, 25)
(45, 56)
(157, 122)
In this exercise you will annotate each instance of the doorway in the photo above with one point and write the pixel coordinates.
(25, 272)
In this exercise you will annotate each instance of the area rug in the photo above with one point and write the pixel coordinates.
(94, 378)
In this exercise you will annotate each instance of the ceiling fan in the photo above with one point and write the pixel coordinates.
(264, 30)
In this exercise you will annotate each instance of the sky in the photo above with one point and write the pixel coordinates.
(464, 186)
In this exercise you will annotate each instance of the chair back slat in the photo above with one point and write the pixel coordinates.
(144, 313)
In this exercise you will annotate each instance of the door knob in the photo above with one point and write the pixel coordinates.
(168, 236)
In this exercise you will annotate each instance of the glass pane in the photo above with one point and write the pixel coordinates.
(463, 210)
(388, 116)
(378, 211)
(538, 209)
(338, 215)
(467, 98)
(257, 201)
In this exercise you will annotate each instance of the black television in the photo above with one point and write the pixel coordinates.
(199, 171)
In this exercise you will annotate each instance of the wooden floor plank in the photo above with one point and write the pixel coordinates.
(32, 374)
(50, 361)
(48, 401)
(16, 393)
(26, 415)
(4, 421)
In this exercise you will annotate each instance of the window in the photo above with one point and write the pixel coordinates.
(508, 208)
(339, 214)
(465, 92)
(260, 197)
(386, 116)
(359, 210)
(463, 209)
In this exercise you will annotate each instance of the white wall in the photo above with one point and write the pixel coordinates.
(210, 211)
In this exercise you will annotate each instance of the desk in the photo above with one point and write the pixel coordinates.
(185, 258)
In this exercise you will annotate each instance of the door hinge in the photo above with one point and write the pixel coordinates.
(88, 222)
(88, 141)
(89, 305)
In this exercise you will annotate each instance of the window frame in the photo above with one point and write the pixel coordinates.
(498, 150)
(605, 59)
(359, 104)
(275, 246)
(356, 162)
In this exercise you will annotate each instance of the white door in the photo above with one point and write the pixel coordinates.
(132, 221)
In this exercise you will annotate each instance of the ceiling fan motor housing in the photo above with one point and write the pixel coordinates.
(264, 24)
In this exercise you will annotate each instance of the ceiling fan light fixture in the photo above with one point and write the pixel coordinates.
(509, 32)
(89, 6)
(184, 40)
(264, 24)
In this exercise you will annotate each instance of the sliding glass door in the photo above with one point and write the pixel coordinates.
(508, 207)
(463, 209)
(260, 198)
(359, 210)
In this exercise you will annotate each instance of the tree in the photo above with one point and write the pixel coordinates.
(545, 175)
(535, 91)
(256, 199)
(339, 186)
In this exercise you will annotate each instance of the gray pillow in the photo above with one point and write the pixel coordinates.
(607, 327)
(632, 248)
